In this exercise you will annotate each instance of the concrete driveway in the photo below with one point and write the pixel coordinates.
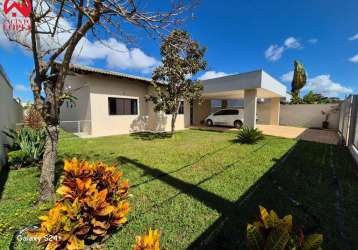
(306, 134)
(315, 135)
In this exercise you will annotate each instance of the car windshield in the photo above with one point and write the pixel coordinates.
(227, 112)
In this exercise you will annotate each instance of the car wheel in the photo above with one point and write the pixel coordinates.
(238, 124)
(209, 123)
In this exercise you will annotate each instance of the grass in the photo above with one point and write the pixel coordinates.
(200, 188)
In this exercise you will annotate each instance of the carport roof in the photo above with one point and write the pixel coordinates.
(234, 86)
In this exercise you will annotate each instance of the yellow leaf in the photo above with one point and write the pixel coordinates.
(52, 245)
(105, 211)
(62, 190)
(75, 244)
(102, 195)
(265, 216)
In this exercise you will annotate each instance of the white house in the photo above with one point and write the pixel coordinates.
(110, 103)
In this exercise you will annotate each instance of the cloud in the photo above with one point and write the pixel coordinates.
(354, 59)
(292, 43)
(116, 54)
(287, 77)
(312, 40)
(324, 85)
(275, 52)
(212, 74)
(21, 88)
(355, 37)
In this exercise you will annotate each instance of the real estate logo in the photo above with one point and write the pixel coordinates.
(16, 15)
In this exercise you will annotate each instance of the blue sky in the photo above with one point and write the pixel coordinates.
(240, 36)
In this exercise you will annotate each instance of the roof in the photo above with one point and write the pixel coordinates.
(81, 69)
(2, 72)
(234, 85)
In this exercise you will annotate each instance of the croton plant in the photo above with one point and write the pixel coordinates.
(93, 202)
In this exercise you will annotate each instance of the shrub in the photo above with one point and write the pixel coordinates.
(32, 141)
(18, 159)
(271, 232)
(29, 140)
(33, 118)
(149, 241)
(93, 203)
(249, 135)
(12, 134)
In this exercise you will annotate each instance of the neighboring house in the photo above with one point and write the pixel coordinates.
(110, 103)
(10, 112)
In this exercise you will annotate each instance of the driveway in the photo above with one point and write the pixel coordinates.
(315, 135)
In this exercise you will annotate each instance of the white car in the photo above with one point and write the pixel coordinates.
(226, 117)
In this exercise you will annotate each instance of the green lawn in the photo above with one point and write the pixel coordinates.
(200, 188)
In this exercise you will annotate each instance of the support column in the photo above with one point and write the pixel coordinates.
(274, 111)
(250, 105)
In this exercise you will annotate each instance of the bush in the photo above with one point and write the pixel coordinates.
(12, 134)
(93, 203)
(249, 135)
(149, 241)
(32, 141)
(29, 140)
(17, 159)
(271, 232)
(33, 118)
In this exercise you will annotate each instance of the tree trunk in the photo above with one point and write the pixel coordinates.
(47, 178)
(172, 129)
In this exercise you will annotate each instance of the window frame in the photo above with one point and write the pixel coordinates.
(179, 113)
(123, 97)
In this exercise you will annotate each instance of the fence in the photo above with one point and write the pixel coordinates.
(348, 124)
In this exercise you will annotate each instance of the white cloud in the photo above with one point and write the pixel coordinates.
(287, 77)
(312, 40)
(274, 52)
(21, 88)
(292, 43)
(212, 74)
(115, 53)
(354, 59)
(324, 85)
(355, 37)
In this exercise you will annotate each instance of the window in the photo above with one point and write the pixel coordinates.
(122, 106)
(227, 112)
(181, 109)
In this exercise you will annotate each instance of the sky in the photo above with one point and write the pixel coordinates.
(240, 36)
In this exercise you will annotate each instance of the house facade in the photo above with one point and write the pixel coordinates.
(110, 103)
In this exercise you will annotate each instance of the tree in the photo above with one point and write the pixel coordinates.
(182, 58)
(298, 82)
(57, 27)
(314, 98)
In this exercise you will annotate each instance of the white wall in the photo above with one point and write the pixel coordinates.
(71, 114)
(93, 99)
(10, 112)
(301, 115)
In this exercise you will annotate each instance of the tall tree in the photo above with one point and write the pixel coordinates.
(182, 58)
(298, 82)
(57, 27)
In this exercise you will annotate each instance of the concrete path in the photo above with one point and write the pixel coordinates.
(315, 135)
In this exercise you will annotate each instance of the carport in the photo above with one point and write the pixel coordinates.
(247, 87)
